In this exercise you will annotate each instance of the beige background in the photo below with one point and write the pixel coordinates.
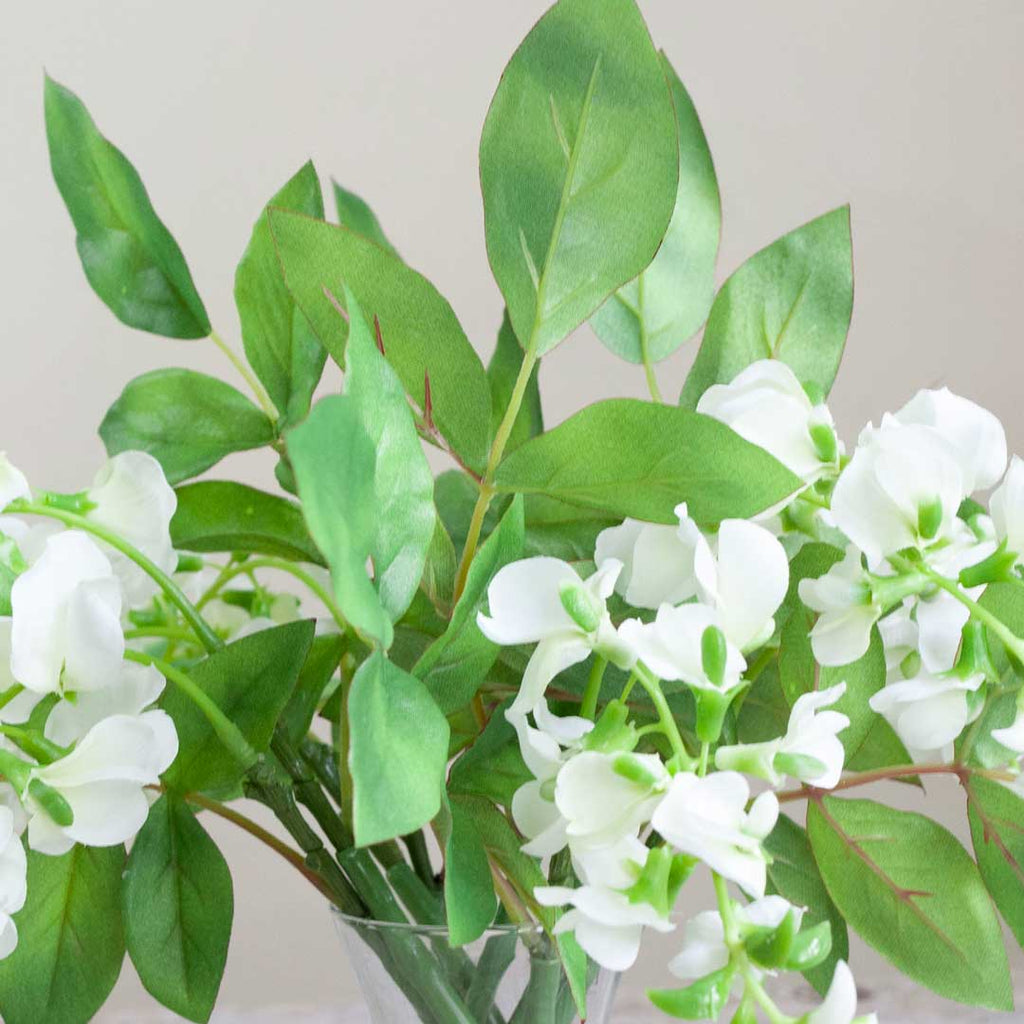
(911, 111)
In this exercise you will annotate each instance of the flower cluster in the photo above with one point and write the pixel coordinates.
(658, 782)
(80, 739)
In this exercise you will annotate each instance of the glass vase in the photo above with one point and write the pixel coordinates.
(510, 975)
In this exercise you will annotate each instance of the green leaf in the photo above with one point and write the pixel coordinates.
(793, 874)
(279, 344)
(321, 663)
(469, 899)
(440, 569)
(791, 301)
(996, 815)
(129, 257)
(219, 515)
(639, 459)
(397, 754)
(354, 213)
(578, 166)
(186, 420)
(420, 332)
(703, 1000)
(403, 484)
(457, 662)
(70, 939)
(560, 530)
(764, 713)
(178, 907)
(668, 302)
(334, 462)
(251, 681)
(502, 371)
(1006, 602)
(492, 767)
(911, 891)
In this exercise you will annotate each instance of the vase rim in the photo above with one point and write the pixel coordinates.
(437, 930)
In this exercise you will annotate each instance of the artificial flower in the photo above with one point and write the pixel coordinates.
(66, 633)
(1007, 508)
(1012, 737)
(131, 496)
(840, 1003)
(13, 887)
(103, 781)
(13, 484)
(707, 818)
(768, 406)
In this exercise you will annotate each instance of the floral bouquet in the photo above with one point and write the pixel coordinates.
(504, 715)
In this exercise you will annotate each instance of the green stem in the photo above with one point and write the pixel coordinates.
(588, 709)
(160, 633)
(250, 378)
(228, 733)
(665, 716)
(33, 743)
(10, 693)
(702, 768)
(645, 352)
(174, 593)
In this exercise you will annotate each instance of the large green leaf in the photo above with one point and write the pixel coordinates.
(669, 301)
(219, 515)
(791, 301)
(186, 420)
(318, 670)
(178, 907)
(793, 873)
(334, 462)
(997, 830)
(279, 344)
(70, 939)
(493, 766)
(403, 484)
(456, 663)
(911, 891)
(578, 166)
(398, 749)
(502, 372)
(421, 334)
(251, 681)
(639, 459)
(470, 902)
(130, 258)
(355, 213)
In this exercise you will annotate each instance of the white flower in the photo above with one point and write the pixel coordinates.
(704, 950)
(1007, 507)
(13, 484)
(847, 611)
(657, 560)
(928, 712)
(766, 405)
(707, 818)
(131, 496)
(103, 781)
(974, 433)
(18, 709)
(840, 1003)
(544, 601)
(12, 880)
(611, 867)
(902, 489)
(607, 925)
(671, 646)
(604, 797)
(134, 690)
(811, 750)
(66, 633)
(1012, 737)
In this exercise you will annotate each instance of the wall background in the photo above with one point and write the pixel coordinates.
(912, 112)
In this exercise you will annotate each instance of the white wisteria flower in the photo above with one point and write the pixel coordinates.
(811, 750)
(928, 712)
(604, 797)
(543, 600)
(1007, 508)
(840, 1005)
(704, 950)
(103, 781)
(132, 497)
(1012, 737)
(975, 434)
(66, 634)
(768, 406)
(657, 559)
(12, 880)
(13, 484)
(707, 818)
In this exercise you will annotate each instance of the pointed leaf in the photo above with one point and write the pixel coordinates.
(502, 371)
(703, 1000)
(355, 213)
(669, 301)
(791, 301)
(470, 902)
(130, 258)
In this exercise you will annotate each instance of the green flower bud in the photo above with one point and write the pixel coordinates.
(52, 802)
(630, 767)
(823, 437)
(582, 607)
(713, 654)
(613, 731)
(712, 706)
(929, 518)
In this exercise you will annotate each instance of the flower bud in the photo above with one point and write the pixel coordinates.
(581, 606)
(929, 518)
(823, 437)
(713, 654)
(52, 803)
